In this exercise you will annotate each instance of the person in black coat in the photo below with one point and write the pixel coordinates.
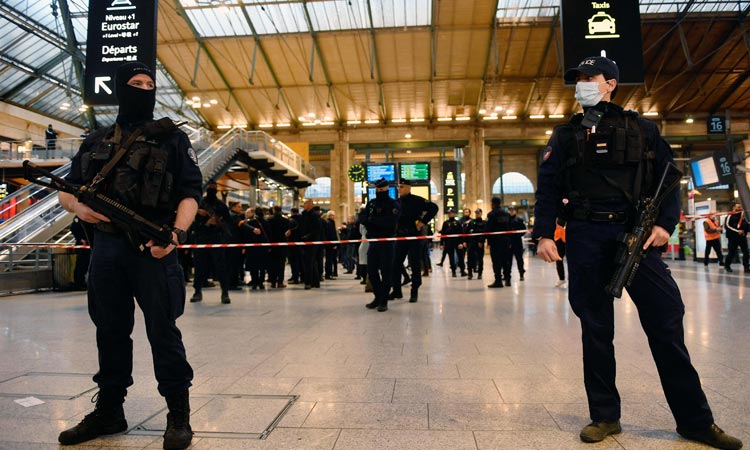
(211, 226)
(380, 218)
(310, 229)
(516, 240)
(452, 226)
(499, 220)
(235, 255)
(279, 228)
(295, 252)
(256, 231)
(416, 213)
(737, 228)
(331, 250)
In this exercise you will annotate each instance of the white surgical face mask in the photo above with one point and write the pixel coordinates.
(587, 92)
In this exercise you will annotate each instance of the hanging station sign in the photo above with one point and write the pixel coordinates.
(451, 185)
(119, 31)
(610, 28)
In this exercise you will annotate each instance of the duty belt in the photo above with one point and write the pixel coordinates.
(108, 227)
(600, 216)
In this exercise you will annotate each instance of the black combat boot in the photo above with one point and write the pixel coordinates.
(197, 296)
(225, 297)
(107, 418)
(178, 434)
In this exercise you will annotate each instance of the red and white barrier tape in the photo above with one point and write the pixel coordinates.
(293, 244)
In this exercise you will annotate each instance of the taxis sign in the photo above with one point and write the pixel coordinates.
(609, 28)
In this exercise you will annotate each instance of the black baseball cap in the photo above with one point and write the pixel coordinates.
(594, 65)
(404, 181)
(381, 183)
(451, 210)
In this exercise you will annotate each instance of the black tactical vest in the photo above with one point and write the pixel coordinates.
(141, 178)
(610, 164)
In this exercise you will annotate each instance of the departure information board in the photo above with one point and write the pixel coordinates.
(415, 171)
(378, 171)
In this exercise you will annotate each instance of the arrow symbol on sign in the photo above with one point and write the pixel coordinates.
(100, 82)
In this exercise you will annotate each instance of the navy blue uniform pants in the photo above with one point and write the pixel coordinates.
(734, 242)
(591, 248)
(476, 258)
(206, 259)
(380, 269)
(119, 275)
(500, 255)
(412, 249)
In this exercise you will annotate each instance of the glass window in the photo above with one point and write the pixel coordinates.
(513, 183)
(321, 188)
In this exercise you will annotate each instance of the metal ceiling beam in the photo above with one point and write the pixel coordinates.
(731, 90)
(292, 116)
(43, 70)
(493, 26)
(316, 46)
(541, 64)
(433, 59)
(72, 47)
(202, 45)
(18, 65)
(375, 63)
(706, 60)
(37, 29)
(172, 82)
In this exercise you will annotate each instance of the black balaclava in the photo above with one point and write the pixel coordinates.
(136, 105)
(382, 194)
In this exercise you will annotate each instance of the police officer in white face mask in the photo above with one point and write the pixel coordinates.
(603, 162)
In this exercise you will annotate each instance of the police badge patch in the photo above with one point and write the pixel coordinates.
(193, 156)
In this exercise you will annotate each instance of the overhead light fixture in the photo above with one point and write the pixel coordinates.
(242, 125)
(196, 99)
(557, 116)
(509, 117)
(311, 115)
(509, 112)
(308, 124)
(407, 135)
(329, 122)
(353, 122)
(213, 101)
(651, 114)
(548, 132)
(223, 127)
(417, 120)
(64, 108)
(197, 105)
(498, 108)
(408, 152)
(372, 121)
(398, 120)
(463, 118)
(265, 125)
(283, 125)
(537, 116)
(482, 111)
(689, 120)
(302, 118)
(445, 119)
(489, 118)
(206, 105)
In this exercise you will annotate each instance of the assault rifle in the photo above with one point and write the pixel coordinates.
(135, 226)
(631, 251)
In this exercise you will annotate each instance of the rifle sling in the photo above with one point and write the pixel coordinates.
(118, 156)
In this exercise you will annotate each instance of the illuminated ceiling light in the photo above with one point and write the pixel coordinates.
(196, 105)
(265, 125)
(407, 135)
(241, 125)
(66, 104)
(463, 118)
(302, 118)
(689, 120)
(329, 122)
(283, 125)
(311, 115)
(482, 111)
(223, 127)
(498, 108)
(273, 140)
(353, 122)
(489, 118)
(557, 116)
(537, 116)
(372, 121)
(196, 99)
(213, 101)
(206, 105)
(64, 108)
(309, 124)
(408, 152)
(417, 120)
(509, 117)
(651, 113)
(548, 132)
(327, 119)
(509, 112)
(398, 120)
(445, 119)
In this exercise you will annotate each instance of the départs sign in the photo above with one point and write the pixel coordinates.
(119, 31)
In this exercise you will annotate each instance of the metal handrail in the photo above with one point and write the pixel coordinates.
(28, 149)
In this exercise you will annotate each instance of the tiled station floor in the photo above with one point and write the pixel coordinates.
(464, 368)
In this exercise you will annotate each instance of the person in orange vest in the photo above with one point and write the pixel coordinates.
(560, 243)
(712, 233)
